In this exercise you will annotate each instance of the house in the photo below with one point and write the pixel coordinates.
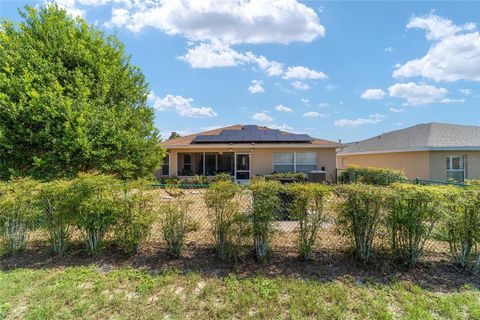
(434, 151)
(244, 151)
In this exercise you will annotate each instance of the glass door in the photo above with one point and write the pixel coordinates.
(242, 167)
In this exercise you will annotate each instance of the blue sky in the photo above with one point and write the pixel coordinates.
(335, 70)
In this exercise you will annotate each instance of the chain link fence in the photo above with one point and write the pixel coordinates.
(329, 239)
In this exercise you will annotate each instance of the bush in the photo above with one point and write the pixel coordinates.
(375, 176)
(463, 226)
(309, 210)
(413, 212)
(57, 217)
(265, 204)
(96, 204)
(175, 225)
(136, 216)
(222, 177)
(196, 179)
(293, 176)
(19, 213)
(227, 220)
(359, 213)
(170, 180)
(473, 182)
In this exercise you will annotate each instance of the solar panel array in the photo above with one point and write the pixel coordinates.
(252, 133)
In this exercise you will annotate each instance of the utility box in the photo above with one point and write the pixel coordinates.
(318, 176)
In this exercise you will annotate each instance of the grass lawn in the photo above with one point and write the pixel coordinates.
(122, 293)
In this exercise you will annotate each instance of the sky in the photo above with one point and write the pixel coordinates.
(344, 70)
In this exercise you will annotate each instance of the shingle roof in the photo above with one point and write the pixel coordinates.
(429, 136)
(187, 140)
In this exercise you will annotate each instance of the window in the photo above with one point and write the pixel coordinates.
(283, 162)
(305, 161)
(166, 165)
(456, 168)
(294, 161)
(187, 165)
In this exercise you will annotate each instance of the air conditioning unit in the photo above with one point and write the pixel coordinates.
(317, 176)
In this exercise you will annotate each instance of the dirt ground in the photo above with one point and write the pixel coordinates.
(333, 259)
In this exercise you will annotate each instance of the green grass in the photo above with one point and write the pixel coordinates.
(86, 292)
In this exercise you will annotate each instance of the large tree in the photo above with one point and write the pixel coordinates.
(70, 101)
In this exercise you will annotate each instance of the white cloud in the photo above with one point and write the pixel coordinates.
(282, 108)
(70, 6)
(299, 72)
(183, 106)
(256, 87)
(448, 100)
(389, 49)
(262, 117)
(305, 101)
(373, 94)
(417, 94)
(372, 119)
(284, 127)
(259, 21)
(299, 85)
(331, 87)
(397, 110)
(454, 54)
(313, 114)
(466, 92)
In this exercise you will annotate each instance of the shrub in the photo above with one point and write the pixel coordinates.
(412, 214)
(359, 213)
(170, 180)
(265, 204)
(56, 215)
(196, 179)
(375, 176)
(473, 182)
(19, 213)
(463, 225)
(309, 210)
(95, 202)
(175, 225)
(222, 177)
(136, 217)
(227, 220)
(293, 176)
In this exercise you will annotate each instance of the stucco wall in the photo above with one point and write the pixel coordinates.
(438, 164)
(414, 164)
(262, 159)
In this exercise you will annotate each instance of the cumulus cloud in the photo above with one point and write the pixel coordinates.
(299, 72)
(262, 117)
(182, 106)
(256, 87)
(454, 54)
(313, 114)
(257, 21)
(299, 85)
(448, 100)
(282, 108)
(372, 119)
(396, 110)
(389, 49)
(284, 127)
(373, 94)
(323, 105)
(417, 94)
(330, 87)
(466, 92)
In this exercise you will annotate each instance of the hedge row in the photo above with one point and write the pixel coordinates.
(368, 175)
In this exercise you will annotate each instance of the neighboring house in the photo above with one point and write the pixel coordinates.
(435, 151)
(244, 151)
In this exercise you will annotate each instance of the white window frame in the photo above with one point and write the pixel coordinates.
(294, 159)
(450, 162)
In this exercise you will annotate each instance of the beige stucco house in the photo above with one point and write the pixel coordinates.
(248, 150)
(434, 151)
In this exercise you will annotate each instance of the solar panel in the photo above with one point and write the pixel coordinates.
(250, 134)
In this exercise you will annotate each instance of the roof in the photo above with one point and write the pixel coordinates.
(422, 137)
(238, 134)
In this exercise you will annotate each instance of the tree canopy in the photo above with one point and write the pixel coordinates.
(71, 101)
(174, 135)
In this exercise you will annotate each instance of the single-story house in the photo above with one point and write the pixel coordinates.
(244, 151)
(433, 151)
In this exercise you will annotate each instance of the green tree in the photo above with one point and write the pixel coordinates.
(173, 135)
(71, 101)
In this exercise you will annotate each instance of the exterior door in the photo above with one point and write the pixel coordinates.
(242, 167)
